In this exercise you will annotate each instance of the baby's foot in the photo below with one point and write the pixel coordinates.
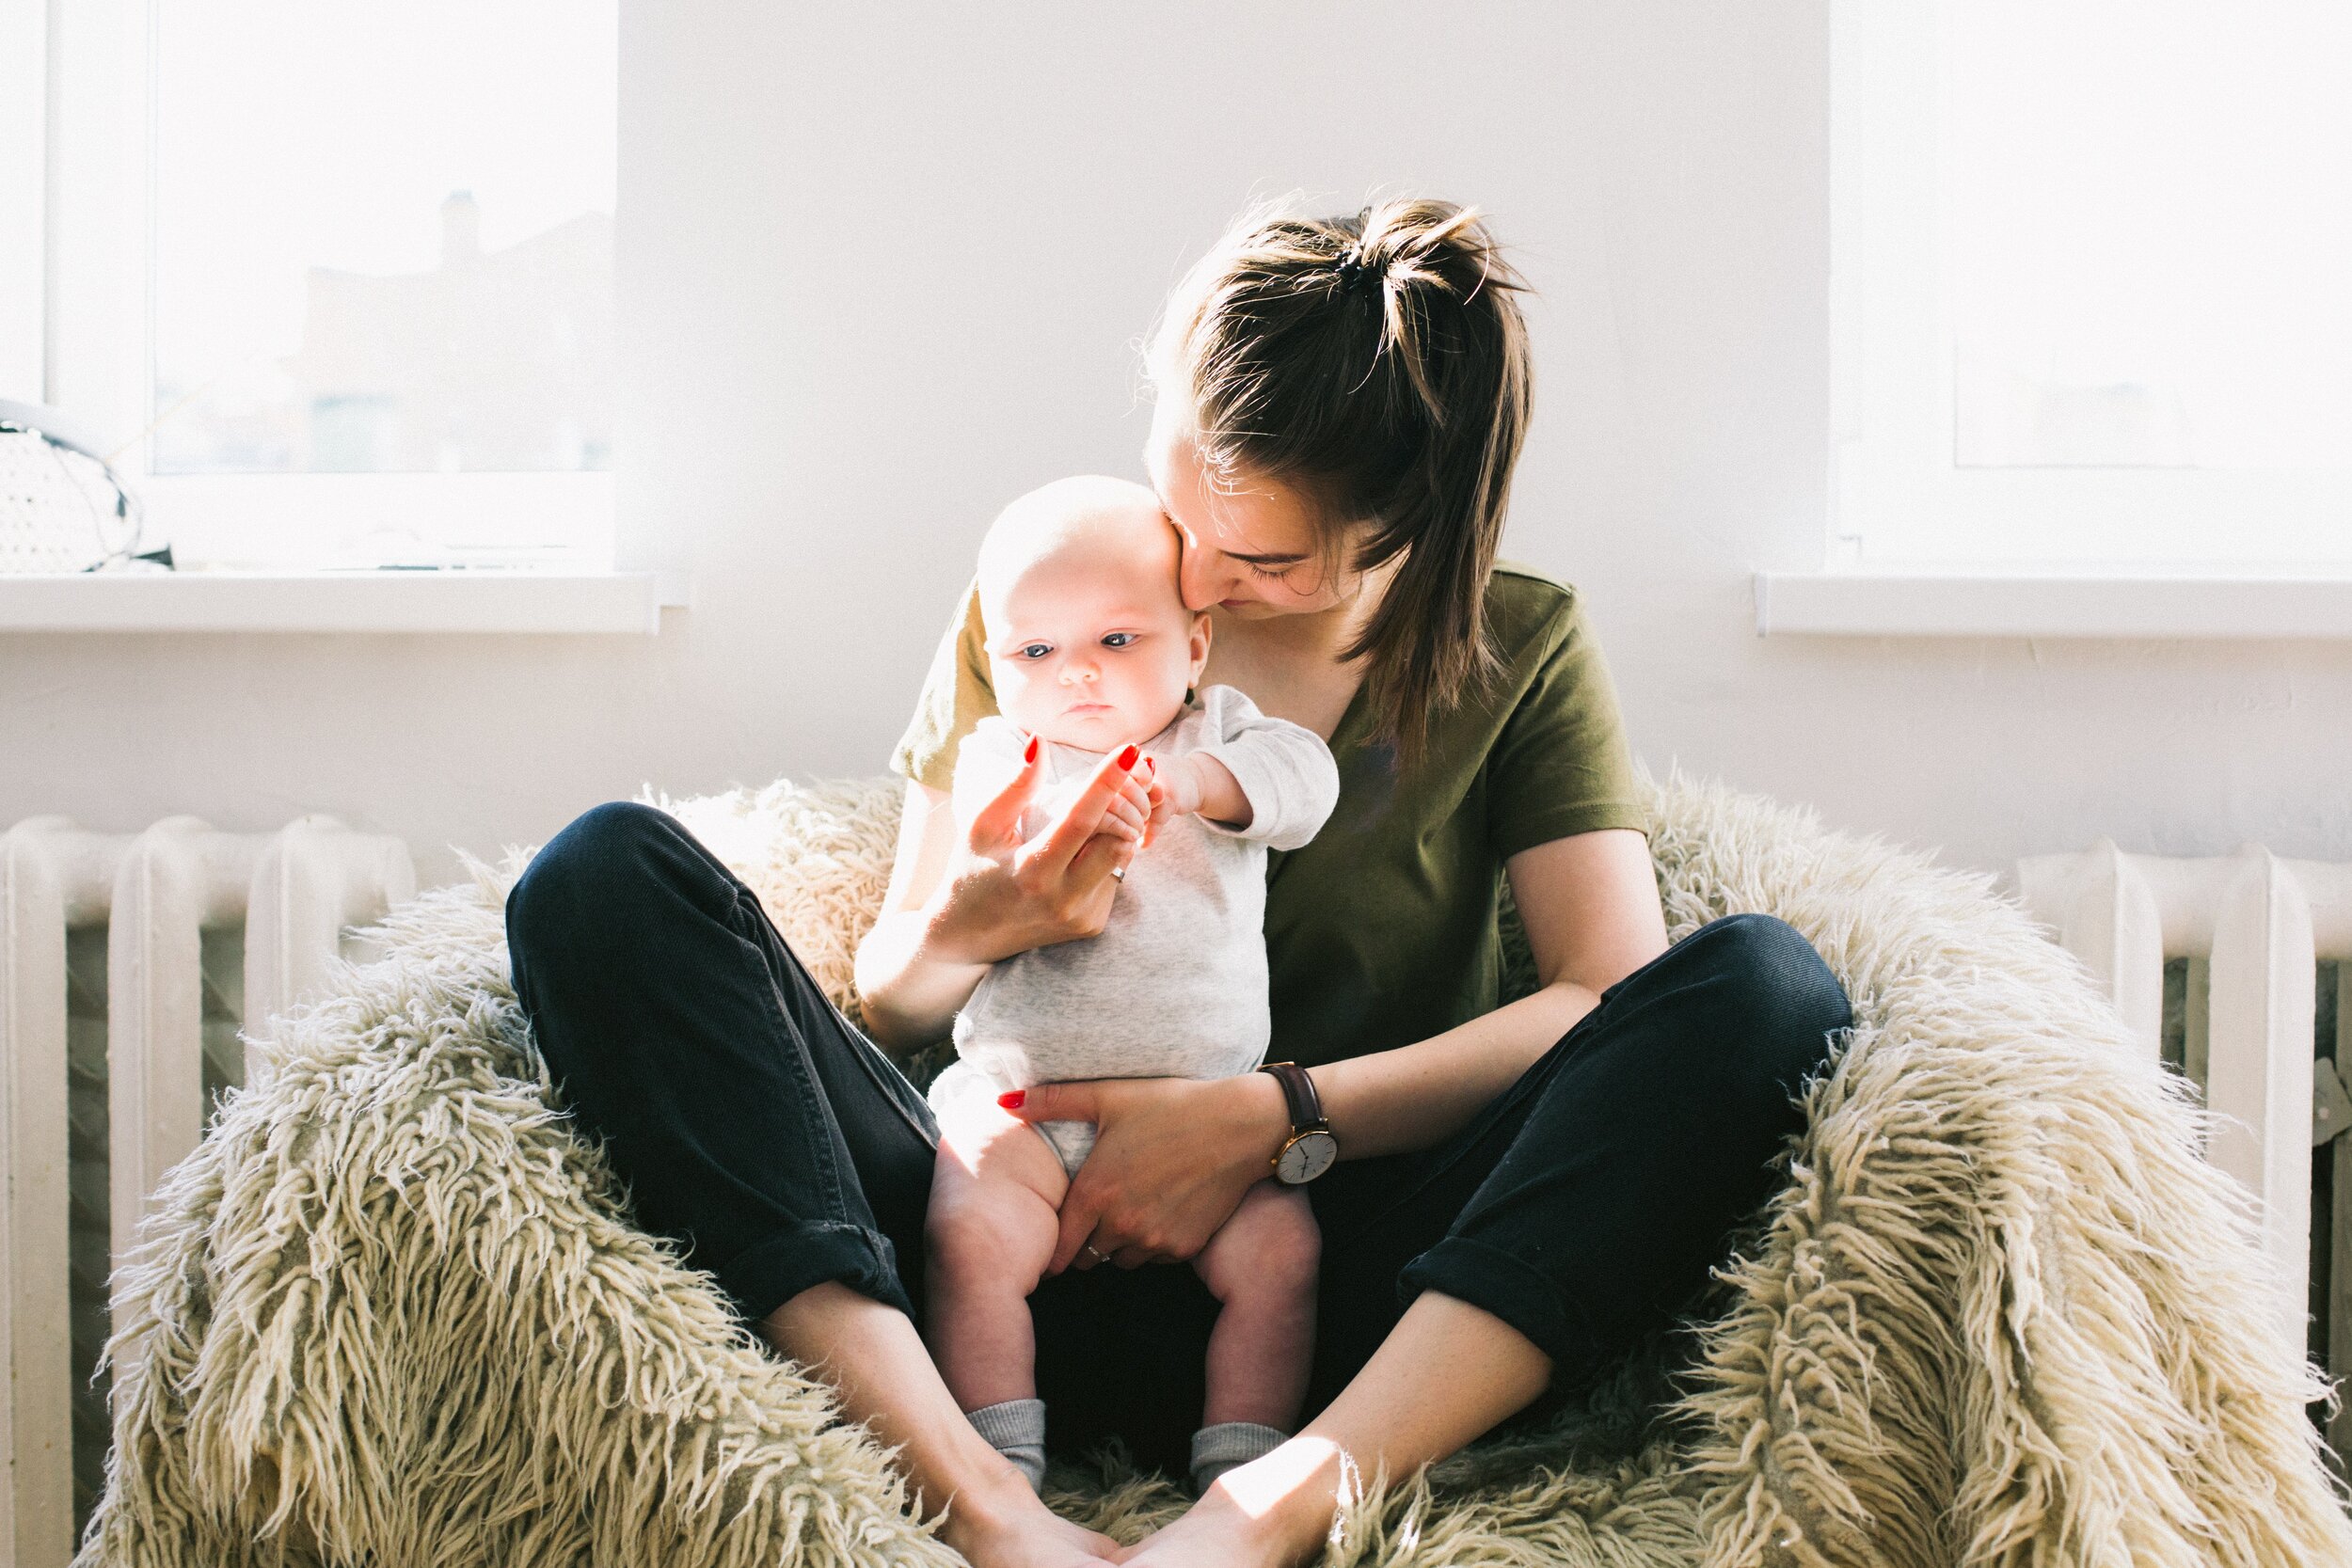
(1015, 1530)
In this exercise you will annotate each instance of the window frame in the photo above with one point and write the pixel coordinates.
(89, 302)
(23, 187)
(1897, 499)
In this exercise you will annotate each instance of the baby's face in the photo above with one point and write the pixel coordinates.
(1091, 645)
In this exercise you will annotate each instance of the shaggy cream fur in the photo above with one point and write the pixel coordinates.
(393, 1311)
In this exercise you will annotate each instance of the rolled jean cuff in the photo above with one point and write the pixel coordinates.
(1494, 1281)
(764, 1276)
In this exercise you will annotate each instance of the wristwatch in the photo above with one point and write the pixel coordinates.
(1311, 1148)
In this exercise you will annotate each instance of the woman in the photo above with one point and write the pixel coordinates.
(1521, 1192)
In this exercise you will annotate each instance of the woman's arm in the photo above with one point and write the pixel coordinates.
(962, 897)
(908, 996)
(1152, 1188)
(1590, 906)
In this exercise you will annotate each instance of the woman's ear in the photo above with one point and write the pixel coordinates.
(1200, 647)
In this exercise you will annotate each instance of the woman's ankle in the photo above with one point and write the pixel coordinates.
(992, 1499)
(1222, 1446)
(1292, 1494)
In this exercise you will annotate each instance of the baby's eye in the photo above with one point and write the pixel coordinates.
(1118, 639)
(1036, 650)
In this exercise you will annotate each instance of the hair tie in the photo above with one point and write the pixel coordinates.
(1352, 270)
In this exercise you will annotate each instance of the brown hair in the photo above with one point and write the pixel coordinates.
(1379, 364)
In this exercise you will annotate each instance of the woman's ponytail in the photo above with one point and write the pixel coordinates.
(1379, 364)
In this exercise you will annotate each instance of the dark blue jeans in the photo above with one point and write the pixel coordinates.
(1584, 1206)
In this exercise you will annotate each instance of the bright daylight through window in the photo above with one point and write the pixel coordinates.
(382, 245)
(2089, 281)
(383, 237)
(2148, 231)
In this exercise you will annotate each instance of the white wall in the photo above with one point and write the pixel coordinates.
(883, 267)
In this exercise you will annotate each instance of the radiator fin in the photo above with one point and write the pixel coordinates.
(89, 1225)
(2233, 971)
(127, 966)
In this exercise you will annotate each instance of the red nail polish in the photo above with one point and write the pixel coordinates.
(1127, 757)
(1028, 753)
(1010, 1100)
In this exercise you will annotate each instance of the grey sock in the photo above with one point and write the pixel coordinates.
(1016, 1429)
(1217, 1450)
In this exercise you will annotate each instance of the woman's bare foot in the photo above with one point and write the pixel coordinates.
(1271, 1512)
(1012, 1528)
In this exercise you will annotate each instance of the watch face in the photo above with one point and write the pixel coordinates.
(1309, 1156)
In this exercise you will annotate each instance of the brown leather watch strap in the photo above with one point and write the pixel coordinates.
(1305, 1106)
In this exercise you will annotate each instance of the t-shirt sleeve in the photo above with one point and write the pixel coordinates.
(1560, 765)
(956, 696)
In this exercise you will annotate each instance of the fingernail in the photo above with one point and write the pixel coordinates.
(1152, 766)
(1127, 757)
(1010, 1100)
(1028, 754)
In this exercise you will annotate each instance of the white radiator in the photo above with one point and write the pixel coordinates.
(2254, 929)
(126, 964)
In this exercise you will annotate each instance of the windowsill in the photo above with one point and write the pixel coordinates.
(383, 601)
(1989, 603)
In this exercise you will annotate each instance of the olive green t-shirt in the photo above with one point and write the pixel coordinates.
(1382, 931)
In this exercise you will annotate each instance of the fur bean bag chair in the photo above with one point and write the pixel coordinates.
(393, 1311)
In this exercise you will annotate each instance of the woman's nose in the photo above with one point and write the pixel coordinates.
(1199, 580)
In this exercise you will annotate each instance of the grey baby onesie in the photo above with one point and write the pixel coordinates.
(1176, 984)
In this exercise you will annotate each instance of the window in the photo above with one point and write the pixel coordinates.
(2086, 285)
(336, 279)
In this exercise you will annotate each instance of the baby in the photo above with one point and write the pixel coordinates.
(1091, 650)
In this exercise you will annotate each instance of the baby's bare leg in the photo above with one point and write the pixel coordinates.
(1261, 1265)
(996, 1192)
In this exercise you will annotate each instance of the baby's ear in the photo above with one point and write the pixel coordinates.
(1200, 630)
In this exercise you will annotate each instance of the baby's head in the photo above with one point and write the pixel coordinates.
(1090, 644)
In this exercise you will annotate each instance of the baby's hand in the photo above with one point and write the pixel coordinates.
(1174, 790)
(1196, 783)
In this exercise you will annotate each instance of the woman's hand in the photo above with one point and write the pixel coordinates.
(1002, 895)
(1171, 1160)
(963, 897)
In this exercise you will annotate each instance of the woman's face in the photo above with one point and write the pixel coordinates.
(1249, 547)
